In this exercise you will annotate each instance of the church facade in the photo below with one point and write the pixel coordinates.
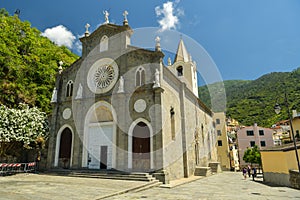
(119, 107)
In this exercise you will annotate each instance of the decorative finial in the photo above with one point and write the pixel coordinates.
(87, 33)
(60, 69)
(169, 61)
(106, 14)
(17, 13)
(125, 13)
(157, 45)
(157, 39)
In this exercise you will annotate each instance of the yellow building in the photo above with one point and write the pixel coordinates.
(222, 140)
(296, 124)
(232, 128)
(276, 163)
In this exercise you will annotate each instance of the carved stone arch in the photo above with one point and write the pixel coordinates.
(99, 136)
(179, 70)
(64, 135)
(69, 88)
(140, 76)
(131, 133)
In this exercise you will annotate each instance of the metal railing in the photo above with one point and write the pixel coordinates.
(14, 168)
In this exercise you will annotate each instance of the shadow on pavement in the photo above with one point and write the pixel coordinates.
(261, 181)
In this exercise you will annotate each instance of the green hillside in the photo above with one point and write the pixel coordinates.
(253, 101)
(28, 63)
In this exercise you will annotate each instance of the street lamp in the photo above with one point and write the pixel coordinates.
(277, 110)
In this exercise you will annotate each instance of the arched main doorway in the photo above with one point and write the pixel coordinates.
(65, 148)
(99, 137)
(141, 147)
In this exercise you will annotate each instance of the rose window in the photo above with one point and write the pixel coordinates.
(104, 76)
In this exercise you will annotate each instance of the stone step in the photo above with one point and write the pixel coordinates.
(135, 176)
(139, 188)
(115, 176)
(203, 171)
(151, 184)
(215, 167)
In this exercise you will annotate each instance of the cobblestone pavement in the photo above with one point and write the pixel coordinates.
(42, 187)
(226, 185)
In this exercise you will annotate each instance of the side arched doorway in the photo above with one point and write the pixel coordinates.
(65, 148)
(141, 147)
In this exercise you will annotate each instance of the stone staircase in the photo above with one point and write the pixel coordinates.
(149, 180)
(104, 174)
(213, 168)
(202, 171)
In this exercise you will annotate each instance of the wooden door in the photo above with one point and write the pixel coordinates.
(141, 148)
(103, 157)
(65, 148)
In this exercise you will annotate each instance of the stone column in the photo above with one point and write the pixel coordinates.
(184, 137)
(157, 137)
(54, 125)
(121, 137)
(78, 114)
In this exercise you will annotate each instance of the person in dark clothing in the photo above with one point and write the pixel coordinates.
(253, 173)
(244, 172)
(249, 171)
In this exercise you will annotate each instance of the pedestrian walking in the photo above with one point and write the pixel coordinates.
(249, 171)
(245, 172)
(253, 173)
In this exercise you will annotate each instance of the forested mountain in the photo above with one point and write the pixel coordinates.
(28, 63)
(252, 102)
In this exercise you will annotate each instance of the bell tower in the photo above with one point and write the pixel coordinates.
(184, 68)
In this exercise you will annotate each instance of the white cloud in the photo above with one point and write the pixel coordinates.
(78, 46)
(169, 15)
(60, 35)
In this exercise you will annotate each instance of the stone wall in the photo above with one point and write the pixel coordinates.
(277, 178)
(288, 178)
(295, 179)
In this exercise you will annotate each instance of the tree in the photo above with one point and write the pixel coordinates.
(3, 12)
(21, 128)
(28, 64)
(252, 155)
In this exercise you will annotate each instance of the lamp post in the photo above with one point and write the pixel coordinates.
(277, 109)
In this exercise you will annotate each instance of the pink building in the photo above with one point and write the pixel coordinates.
(253, 135)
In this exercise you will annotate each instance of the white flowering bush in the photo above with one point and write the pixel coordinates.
(21, 126)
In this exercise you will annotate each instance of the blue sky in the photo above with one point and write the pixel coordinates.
(245, 38)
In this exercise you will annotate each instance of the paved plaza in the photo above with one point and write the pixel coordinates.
(226, 185)
(42, 187)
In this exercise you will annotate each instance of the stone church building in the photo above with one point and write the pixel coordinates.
(118, 107)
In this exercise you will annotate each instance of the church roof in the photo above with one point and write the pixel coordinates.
(181, 54)
(113, 27)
